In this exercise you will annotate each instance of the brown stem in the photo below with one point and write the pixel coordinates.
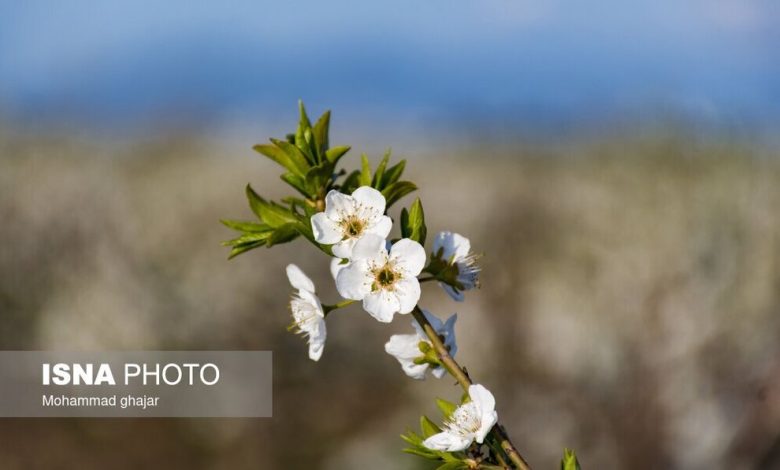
(464, 380)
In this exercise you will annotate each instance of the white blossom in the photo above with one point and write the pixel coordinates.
(406, 348)
(308, 315)
(385, 282)
(469, 422)
(455, 250)
(347, 219)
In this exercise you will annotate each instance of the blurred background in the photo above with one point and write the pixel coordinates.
(616, 162)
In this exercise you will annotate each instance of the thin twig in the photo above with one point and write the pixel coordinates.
(464, 380)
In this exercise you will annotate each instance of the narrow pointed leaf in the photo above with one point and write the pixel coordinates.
(446, 407)
(320, 133)
(393, 173)
(351, 183)
(428, 427)
(269, 212)
(243, 226)
(569, 461)
(300, 160)
(422, 452)
(365, 171)
(281, 157)
(301, 142)
(240, 249)
(297, 182)
(334, 154)
(248, 238)
(452, 466)
(397, 190)
(380, 171)
(283, 234)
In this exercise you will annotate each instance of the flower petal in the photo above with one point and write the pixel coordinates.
(409, 256)
(433, 320)
(337, 205)
(298, 279)
(370, 199)
(407, 291)
(343, 249)
(457, 295)
(404, 346)
(488, 421)
(447, 442)
(313, 300)
(354, 281)
(317, 342)
(412, 370)
(455, 246)
(336, 266)
(368, 247)
(325, 230)
(381, 226)
(438, 372)
(449, 334)
(381, 305)
(482, 397)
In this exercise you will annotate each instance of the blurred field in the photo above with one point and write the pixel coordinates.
(630, 306)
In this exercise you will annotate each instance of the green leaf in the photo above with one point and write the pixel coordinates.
(380, 171)
(249, 238)
(318, 177)
(297, 182)
(269, 212)
(452, 466)
(428, 427)
(320, 133)
(413, 223)
(297, 165)
(393, 174)
(334, 154)
(422, 452)
(412, 438)
(446, 407)
(569, 461)
(397, 190)
(301, 142)
(239, 249)
(295, 154)
(283, 234)
(351, 183)
(365, 171)
(242, 226)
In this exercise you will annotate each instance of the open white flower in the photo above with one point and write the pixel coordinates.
(308, 315)
(385, 282)
(348, 219)
(406, 348)
(456, 252)
(469, 422)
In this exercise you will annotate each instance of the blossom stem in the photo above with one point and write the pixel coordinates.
(329, 308)
(460, 374)
(496, 448)
(427, 279)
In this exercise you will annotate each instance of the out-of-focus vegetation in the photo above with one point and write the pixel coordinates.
(631, 287)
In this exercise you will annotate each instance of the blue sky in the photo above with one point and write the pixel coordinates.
(127, 62)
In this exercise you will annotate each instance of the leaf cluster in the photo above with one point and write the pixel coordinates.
(310, 167)
(383, 179)
(569, 461)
